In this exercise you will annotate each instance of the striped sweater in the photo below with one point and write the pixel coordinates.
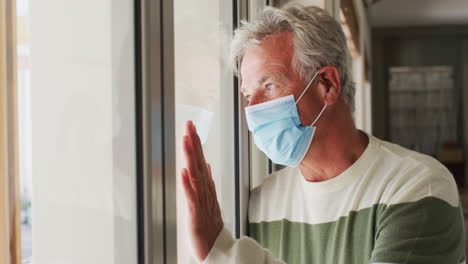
(392, 205)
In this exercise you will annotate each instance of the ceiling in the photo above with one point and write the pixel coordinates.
(387, 13)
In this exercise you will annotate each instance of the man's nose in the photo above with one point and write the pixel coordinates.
(255, 99)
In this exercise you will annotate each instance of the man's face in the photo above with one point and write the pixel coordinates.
(267, 74)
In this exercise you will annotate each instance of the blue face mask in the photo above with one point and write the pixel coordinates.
(277, 129)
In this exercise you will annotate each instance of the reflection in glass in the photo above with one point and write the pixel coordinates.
(204, 95)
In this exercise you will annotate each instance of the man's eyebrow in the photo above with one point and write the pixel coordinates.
(269, 75)
(264, 78)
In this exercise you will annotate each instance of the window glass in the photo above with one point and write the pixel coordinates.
(24, 129)
(77, 125)
(255, 7)
(204, 94)
(260, 165)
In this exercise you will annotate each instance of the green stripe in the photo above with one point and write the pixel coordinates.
(426, 231)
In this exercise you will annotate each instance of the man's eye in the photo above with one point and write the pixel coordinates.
(271, 86)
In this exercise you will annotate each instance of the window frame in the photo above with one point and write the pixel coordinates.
(154, 78)
(10, 220)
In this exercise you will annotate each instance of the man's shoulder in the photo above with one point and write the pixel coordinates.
(408, 155)
(415, 176)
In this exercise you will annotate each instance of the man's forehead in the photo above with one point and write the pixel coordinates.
(279, 45)
(281, 39)
(271, 57)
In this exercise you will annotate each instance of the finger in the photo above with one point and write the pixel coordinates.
(189, 179)
(189, 158)
(188, 125)
(214, 204)
(208, 166)
(188, 190)
(213, 186)
(190, 134)
(196, 143)
(187, 149)
(209, 190)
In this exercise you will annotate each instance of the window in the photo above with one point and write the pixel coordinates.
(260, 164)
(24, 127)
(100, 139)
(76, 112)
(10, 222)
(204, 94)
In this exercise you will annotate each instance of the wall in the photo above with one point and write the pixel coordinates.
(418, 12)
(82, 121)
(363, 89)
(332, 6)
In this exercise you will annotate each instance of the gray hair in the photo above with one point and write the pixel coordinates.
(318, 41)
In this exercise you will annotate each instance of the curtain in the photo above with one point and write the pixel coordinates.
(423, 108)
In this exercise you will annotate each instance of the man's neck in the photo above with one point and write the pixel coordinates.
(334, 148)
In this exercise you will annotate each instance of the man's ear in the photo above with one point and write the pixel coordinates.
(330, 78)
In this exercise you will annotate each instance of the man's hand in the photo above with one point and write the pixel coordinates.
(205, 221)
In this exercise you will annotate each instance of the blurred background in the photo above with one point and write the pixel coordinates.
(69, 90)
(419, 77)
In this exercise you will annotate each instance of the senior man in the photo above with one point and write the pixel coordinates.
(346, 196)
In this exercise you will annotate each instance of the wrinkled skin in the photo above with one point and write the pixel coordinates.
(205, 221)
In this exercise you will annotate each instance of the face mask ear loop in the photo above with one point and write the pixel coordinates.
(307, 87)
(321, 112)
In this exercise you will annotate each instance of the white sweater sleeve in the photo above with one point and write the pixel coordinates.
(227, 250)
